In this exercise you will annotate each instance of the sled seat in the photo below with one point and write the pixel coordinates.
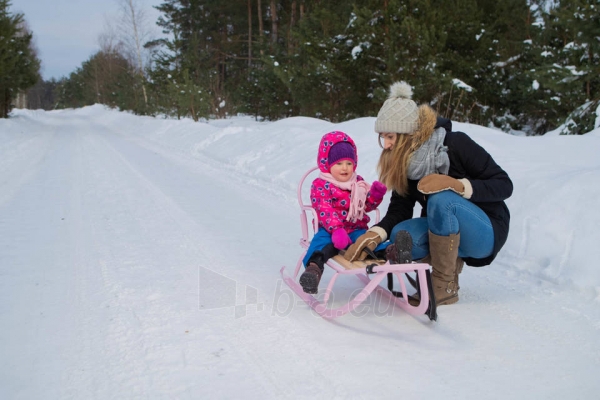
(370, 272)
(340, 260)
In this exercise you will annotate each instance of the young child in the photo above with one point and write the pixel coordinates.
(341, 199)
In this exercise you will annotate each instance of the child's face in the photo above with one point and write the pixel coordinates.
(342, 171)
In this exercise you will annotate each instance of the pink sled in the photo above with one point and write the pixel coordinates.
(370, 272)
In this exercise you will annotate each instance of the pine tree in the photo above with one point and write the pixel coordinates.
(208, 45)
(316, 72)
(19, 66)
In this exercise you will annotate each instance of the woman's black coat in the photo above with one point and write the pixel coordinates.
(491, 186)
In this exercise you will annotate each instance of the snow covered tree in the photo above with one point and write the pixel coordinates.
(208, 41)
(573, 67)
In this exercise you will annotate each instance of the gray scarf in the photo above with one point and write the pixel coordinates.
(430, 158)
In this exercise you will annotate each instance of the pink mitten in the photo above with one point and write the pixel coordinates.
(378, 190)
(340, 239)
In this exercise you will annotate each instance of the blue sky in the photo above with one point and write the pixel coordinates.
(66, 31)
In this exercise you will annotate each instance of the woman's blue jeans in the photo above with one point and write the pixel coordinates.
(449, 213)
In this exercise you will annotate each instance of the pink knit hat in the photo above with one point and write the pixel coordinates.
(329, 153)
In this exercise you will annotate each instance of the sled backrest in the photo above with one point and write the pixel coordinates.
(309, 223)
(307, 213)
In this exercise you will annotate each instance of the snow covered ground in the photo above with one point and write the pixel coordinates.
(140, 257)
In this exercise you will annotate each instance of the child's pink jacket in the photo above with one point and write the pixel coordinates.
(329, 201)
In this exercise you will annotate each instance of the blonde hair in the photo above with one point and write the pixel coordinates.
(393, 164)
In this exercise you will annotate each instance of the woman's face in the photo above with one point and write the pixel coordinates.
(387, 140)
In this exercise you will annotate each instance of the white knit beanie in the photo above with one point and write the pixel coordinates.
(399, 114)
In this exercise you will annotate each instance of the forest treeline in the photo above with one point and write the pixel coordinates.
(513, 64)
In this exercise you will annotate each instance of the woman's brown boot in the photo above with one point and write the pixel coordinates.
(446, 266)
(459, 267)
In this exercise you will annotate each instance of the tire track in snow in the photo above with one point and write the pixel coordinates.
(165, 209)
(91, 371)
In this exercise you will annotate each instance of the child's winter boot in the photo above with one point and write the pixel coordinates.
(400, 252)
(310, 278)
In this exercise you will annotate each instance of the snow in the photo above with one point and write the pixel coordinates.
(140, 257)
(461, 85)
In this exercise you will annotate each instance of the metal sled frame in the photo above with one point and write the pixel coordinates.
(370, 272)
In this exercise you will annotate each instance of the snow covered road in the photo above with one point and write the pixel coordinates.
(132, 269)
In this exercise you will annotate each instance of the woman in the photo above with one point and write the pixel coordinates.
(460, 187)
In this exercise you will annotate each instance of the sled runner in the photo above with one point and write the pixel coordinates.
(370, 271)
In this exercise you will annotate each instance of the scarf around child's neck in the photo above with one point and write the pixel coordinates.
(358, 194)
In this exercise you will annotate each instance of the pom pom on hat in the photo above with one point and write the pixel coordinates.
(400, 90)
(399, 114)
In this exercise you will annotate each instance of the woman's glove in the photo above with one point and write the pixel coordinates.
(369, 240)
(435, 183)
(378, 190)
(340, 239)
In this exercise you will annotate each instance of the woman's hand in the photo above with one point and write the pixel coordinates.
(435, 183)
(369, 239)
